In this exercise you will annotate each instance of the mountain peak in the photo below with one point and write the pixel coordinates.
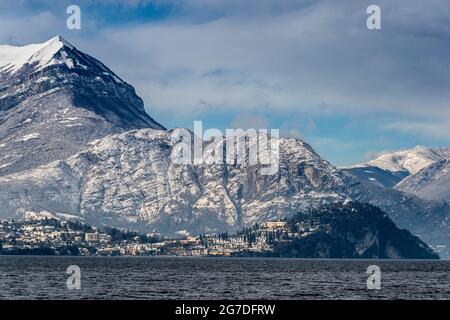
(410, 160)
(52, 89)
(59, 41)
(13, 58)
(421, 148)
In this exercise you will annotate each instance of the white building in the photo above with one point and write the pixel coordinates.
(92, 237)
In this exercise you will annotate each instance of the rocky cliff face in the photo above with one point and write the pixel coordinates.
(128, 180)
(54, 99)
(427, 219)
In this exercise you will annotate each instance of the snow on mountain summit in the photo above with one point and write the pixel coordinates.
(53, 90)
(411, 161)
(13, 58)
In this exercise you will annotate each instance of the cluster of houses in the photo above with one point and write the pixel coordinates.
(34, 233)
(40, 233)
(258, 239)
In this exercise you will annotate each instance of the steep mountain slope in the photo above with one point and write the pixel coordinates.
(427, 219)
(54, 99)
(129, 180)
(432, 182)
(376, 176)
(353, 230)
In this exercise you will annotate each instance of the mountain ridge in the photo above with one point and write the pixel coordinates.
(409, 160)
(65, 94)
(389, 169)
(13, 58)
(129, 177)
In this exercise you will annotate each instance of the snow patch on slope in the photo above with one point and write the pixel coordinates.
(28, 137)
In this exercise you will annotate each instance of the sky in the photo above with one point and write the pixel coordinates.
(309, 68)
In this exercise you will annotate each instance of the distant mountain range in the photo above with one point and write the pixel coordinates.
(421, 171)
(75, 140)
(409, 161)
(388, 169)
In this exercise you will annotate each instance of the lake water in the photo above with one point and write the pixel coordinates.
(219, 278)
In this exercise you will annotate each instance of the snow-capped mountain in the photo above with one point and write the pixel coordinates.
(432, 182)
(129, 180)
(389, 169)
(54, 99)
(40, 55)
(76, 141)
(410, 161)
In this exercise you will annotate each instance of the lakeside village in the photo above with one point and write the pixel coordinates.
(52, 236)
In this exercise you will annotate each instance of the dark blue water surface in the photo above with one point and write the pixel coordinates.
(28, 277)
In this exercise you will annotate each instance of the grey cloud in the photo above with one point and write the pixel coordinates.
(299, 59)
